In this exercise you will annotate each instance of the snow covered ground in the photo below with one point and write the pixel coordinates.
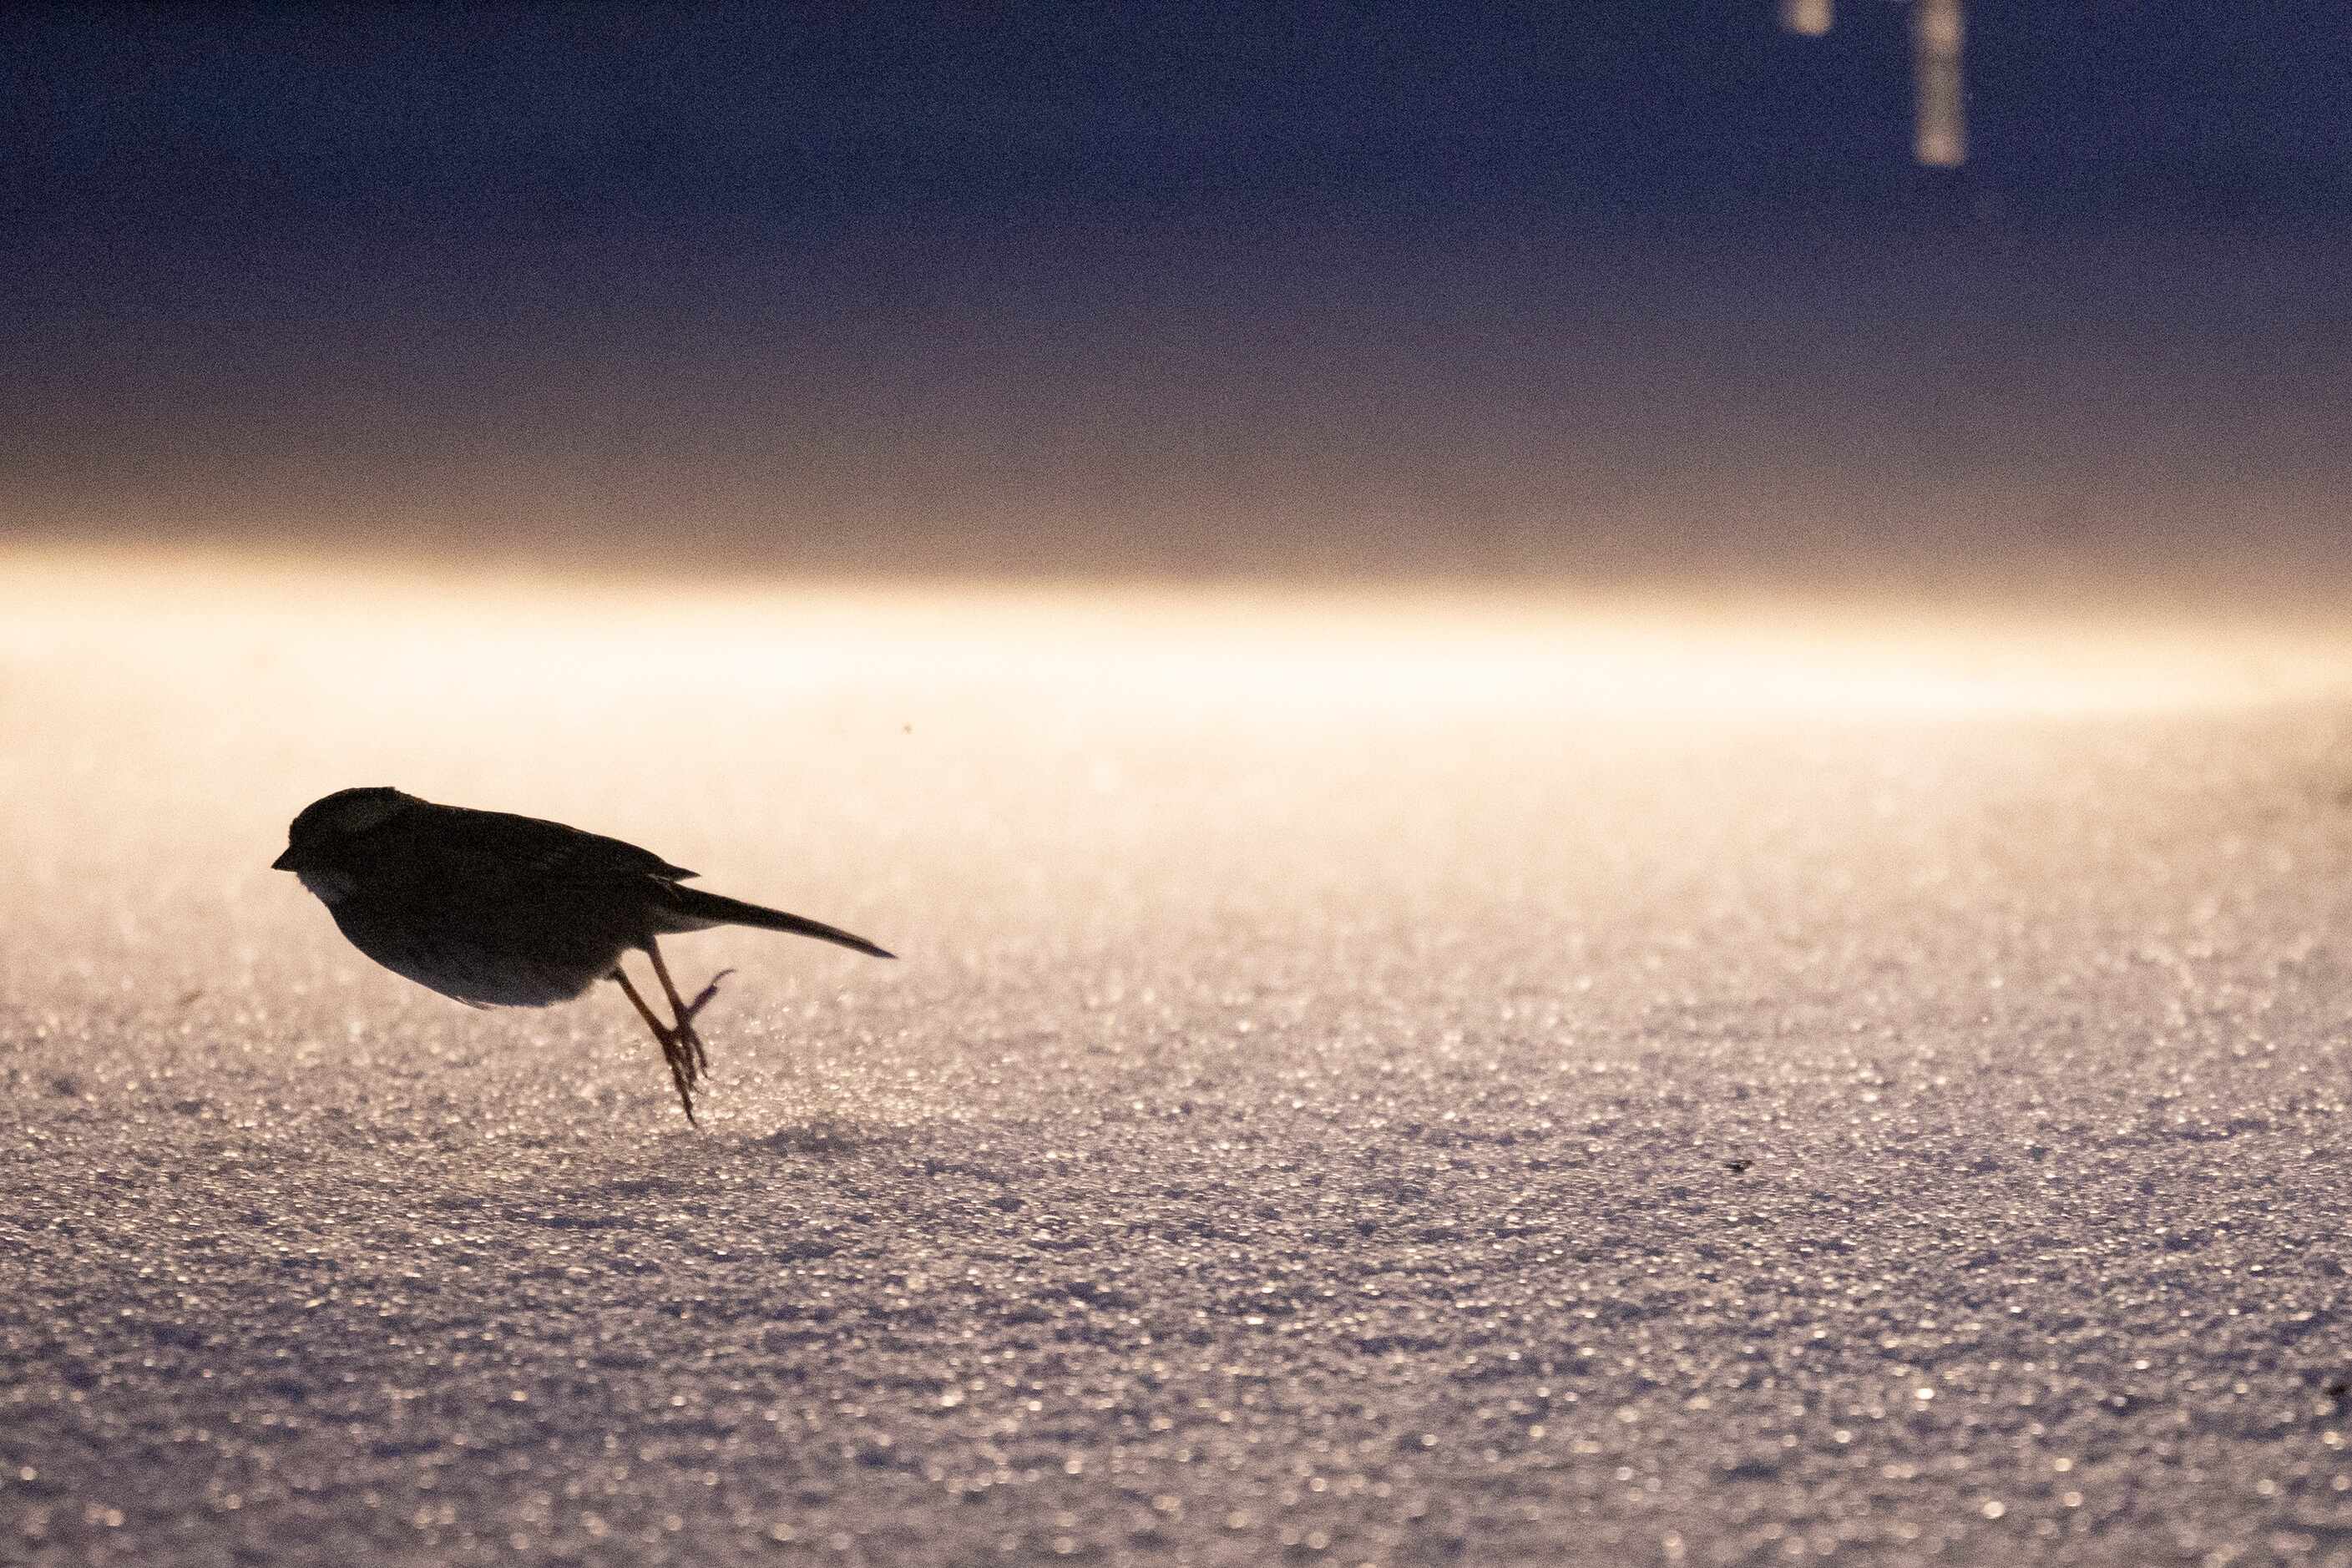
(1365, 1083)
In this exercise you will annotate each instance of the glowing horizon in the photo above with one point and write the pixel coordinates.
(1620, 654)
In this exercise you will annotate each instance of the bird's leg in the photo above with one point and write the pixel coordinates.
(674, 1051)
(684, 1009)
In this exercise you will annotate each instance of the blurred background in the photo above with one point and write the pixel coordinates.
(1338, 293)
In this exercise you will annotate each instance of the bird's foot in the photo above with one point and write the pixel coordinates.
(681, 1050)
(682, 1071)
(686, 1023)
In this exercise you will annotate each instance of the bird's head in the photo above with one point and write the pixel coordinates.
(330, 838)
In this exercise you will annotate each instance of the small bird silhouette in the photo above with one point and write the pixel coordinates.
(500, 910)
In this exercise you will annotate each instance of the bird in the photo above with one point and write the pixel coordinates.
(499, 911)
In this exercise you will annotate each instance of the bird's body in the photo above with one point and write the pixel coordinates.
(501, 911)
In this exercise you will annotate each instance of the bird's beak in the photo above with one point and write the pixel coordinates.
(284, 862)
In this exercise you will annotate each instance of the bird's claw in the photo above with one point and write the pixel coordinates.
(682, 1049)
(702, 998)
(684, 1072)
(699, 1065)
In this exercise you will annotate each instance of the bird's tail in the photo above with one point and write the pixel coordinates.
(696, 910)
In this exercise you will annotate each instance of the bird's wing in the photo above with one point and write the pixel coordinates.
(537, 850)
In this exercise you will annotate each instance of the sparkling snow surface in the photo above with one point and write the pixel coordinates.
(1363, 1084)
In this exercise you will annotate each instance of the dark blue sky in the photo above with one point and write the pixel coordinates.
(149, 124)
(1545, 274)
